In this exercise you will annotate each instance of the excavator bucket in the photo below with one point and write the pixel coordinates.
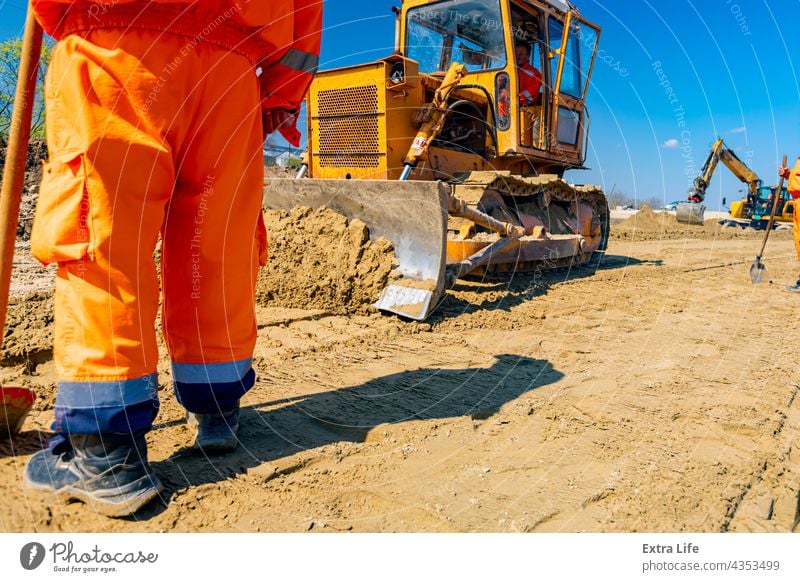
(411, 215)
(690, 213)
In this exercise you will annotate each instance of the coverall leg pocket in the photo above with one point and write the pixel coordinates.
(62, 226)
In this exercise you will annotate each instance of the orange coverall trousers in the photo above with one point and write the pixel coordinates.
(796, 226)
(150, 133)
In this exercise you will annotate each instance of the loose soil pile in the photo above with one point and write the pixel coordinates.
(37, 152)
(320, 260)
(649, 225)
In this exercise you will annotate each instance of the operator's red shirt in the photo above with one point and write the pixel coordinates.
(530, 83)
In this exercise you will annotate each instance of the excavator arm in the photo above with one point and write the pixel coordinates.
(698, 192)
(692, 211)
(741, 171)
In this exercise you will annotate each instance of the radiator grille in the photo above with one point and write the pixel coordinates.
(348, 128)
(349, 101)
(349, 161)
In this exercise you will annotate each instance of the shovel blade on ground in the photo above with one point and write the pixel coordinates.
(758, 273)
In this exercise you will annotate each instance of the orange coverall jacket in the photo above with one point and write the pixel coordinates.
(280, 37)
(794, 190)
(794, 181)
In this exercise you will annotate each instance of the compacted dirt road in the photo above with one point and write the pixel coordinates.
(658, 392)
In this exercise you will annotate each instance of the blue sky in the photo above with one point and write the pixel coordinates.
(727, 63)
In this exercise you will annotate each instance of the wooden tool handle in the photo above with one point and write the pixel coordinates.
(17, 155)
(775, 202)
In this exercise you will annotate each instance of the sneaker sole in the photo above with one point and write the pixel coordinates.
(216, 447)
(110, 505)
(210, 445)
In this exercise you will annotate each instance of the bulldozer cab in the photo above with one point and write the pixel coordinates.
(502, 44)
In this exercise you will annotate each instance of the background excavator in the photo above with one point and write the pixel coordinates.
(432, 149)
(753, 210)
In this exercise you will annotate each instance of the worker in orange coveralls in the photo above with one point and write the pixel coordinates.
(156, 116)
(794, 190)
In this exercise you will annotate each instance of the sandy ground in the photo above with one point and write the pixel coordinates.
(655, 393)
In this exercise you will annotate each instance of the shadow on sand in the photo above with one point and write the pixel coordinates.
(509, 293)
(278, 429)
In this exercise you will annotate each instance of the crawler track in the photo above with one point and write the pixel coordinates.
(545, 200)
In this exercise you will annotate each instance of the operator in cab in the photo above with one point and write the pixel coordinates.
(530, 78)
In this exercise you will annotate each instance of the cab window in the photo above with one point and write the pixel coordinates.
(525, 30)
(578, 56)
(470, 33)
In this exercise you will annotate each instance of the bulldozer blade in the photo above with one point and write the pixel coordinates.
(690, 213)
(411, 215)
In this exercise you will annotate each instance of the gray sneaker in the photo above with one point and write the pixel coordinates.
(110, 473)
(216, 432)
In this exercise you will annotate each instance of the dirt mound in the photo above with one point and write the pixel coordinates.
(29, 328)
(649, 225)
(37, 152)
(320, 260)
(646, 219)
(649, 221)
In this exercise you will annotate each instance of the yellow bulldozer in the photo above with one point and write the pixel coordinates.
(433, 148)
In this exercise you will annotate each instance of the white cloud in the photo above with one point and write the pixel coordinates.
(671, 144)
(738, 130)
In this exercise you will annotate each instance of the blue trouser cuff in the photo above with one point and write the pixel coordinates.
(212, 388)
(123, 407)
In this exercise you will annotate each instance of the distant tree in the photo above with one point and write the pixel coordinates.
(654, 202)
(616, 198)
(10, 53)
